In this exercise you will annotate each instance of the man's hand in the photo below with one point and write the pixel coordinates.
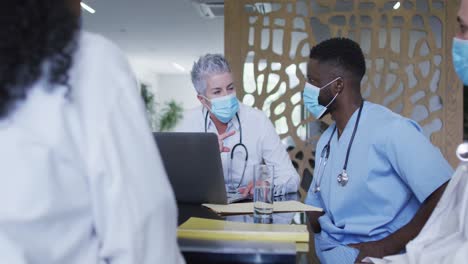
(314, 224)
(223, 136)
(375, 249)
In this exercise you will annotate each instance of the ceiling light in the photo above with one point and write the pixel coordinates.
(397, 5)
(88, 8)
(178, 66)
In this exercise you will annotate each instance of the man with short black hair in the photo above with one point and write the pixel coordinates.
(377, 177)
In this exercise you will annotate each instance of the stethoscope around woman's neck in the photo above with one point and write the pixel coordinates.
(238, 145)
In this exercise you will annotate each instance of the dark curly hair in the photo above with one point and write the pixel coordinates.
(33, 32)
(343, 53)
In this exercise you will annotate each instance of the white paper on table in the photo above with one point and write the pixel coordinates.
(246, 208)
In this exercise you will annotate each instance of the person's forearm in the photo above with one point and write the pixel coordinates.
(397, 241)
(286, 182)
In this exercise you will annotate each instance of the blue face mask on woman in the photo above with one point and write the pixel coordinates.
(224, 108)
(311, 99)
(460, 58)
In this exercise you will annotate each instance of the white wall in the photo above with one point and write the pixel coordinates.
(176, 87)
(166, 86)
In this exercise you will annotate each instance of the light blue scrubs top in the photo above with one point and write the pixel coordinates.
(392, 169)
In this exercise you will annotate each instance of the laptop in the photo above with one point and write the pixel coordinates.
(193, 165)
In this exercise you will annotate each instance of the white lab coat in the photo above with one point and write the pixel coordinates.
(261, 140)
(82, 180)
(10, 253)
(444, 238)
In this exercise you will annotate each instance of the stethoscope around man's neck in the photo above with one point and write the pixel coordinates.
(343, 177)
(238, 145)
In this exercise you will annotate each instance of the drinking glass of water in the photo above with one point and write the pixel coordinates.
(263, 190)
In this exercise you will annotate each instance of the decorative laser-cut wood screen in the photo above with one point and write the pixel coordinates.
(408, 55)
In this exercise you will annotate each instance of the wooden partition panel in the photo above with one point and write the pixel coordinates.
(408, 55)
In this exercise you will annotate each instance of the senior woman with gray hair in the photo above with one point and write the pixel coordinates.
(221, 113)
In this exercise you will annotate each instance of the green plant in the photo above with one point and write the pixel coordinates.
(170, 115)
(150, 106)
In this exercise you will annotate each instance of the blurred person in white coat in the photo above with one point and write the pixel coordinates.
(10, 253)
(444, 238)
(82, 180)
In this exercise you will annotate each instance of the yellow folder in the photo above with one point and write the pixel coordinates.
(200, 228)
